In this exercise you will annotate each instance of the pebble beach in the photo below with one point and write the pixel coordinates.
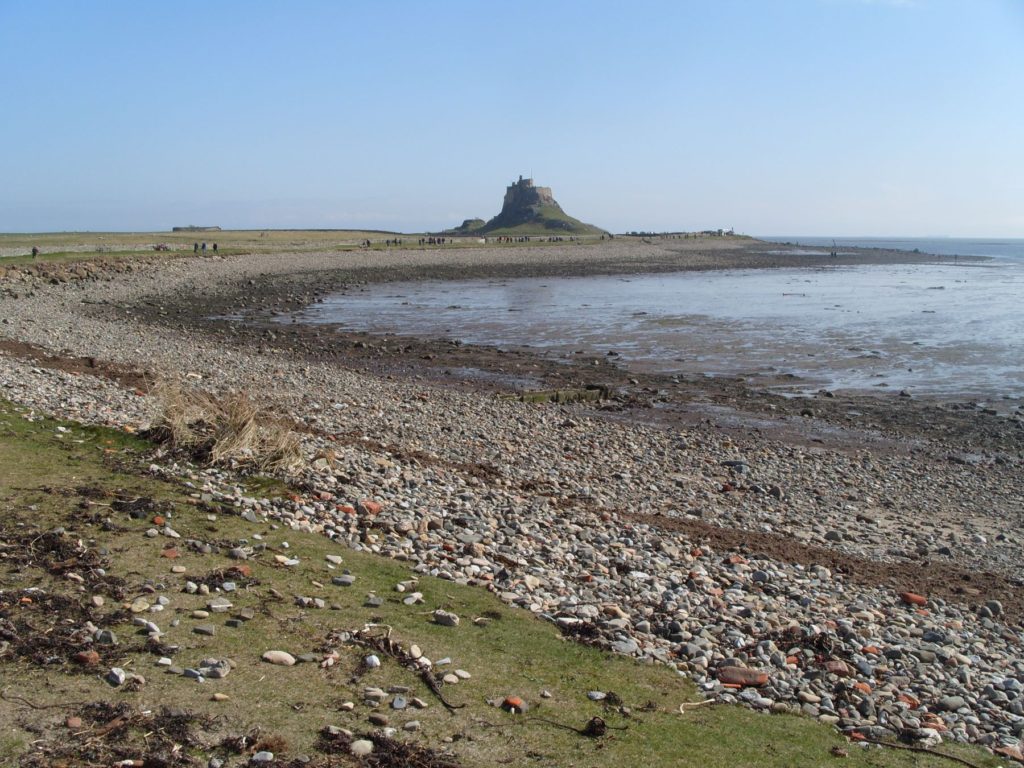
(871, 580)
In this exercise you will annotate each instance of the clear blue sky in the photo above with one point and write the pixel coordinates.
(830, 117)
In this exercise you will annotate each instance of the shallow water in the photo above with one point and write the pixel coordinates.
(942, 329)
(994, 247)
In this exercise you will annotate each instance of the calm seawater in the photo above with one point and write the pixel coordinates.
(946, 329)
(997, 248)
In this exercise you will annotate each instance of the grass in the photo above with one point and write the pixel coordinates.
(45, 469)
(53, 258)
(88, 246)
(245, 239)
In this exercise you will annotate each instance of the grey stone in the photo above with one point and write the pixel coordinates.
(952, 703)
(627, 647)
(219, 605)
(445, 618)
(106, 637)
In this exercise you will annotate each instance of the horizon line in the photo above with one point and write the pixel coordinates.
(793, 236)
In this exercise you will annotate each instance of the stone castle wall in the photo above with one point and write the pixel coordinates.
(522, 193)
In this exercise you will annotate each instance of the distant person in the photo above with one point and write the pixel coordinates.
(195, 247)
(204, 247)
(214, 247)
(35, 251)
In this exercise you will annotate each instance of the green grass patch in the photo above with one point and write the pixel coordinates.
(89, 480)
(51, 258)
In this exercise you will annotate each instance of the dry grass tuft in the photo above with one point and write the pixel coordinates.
(229, 430)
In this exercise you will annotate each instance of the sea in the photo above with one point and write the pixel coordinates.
(943, 329)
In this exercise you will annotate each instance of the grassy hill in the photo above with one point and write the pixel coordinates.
(468, 227)
(543, 219)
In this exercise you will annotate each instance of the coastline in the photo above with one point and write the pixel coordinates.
(905, 496)
(234, 303)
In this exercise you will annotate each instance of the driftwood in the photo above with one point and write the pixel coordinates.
(925, 750)
(595, 728)
(368, 637)
(22, 700)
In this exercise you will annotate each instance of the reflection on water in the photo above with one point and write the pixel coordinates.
(939, 329)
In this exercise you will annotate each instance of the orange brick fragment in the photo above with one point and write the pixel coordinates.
(371, 507)
(742, 676)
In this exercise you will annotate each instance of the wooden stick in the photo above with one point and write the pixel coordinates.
(926, 750)
(13, 697)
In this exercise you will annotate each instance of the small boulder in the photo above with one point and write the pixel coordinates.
(280, 658)
(445, 618)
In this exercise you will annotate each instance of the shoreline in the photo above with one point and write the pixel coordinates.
(905, 496)
(262, 287)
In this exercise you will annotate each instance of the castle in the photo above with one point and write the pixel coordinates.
(522, 193)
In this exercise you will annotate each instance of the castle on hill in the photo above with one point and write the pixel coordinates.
(528, 210)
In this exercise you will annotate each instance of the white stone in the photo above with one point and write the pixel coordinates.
(280, 658)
